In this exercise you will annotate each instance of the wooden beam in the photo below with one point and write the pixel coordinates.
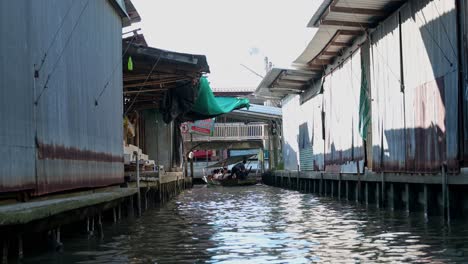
(150, 83)
(144, 91)
(315, 67)
(330, 53)
(347, 32)
(283, 83)
(345, 23)
(321, 61)
(137, 77)
(340, 44)
(358, 11)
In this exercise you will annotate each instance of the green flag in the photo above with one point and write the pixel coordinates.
(364, 105)
(130, 64)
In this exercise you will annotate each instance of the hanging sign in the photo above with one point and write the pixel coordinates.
(202, 127)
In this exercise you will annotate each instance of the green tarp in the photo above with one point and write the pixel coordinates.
(207, 105)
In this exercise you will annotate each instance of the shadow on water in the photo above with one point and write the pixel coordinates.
(262, 224)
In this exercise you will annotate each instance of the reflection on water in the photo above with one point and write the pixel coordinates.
(261, 224)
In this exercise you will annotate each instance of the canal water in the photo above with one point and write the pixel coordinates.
(262, 224)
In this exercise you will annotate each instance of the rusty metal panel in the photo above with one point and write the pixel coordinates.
(343, 144)
(79, 140)
(16, 101)
(464, 81)
(430, 68)
(388, 129)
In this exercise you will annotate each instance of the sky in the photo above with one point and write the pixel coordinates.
(230, 33)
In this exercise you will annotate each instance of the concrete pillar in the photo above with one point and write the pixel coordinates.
(119, 214)
(407, 198)
(20, 246)
(426, 201)
(366, 193)
(321, 186)
(377, 195)
(5, 251)
(347, 190)
(339, 188)
(114, 215)
(101, 230)
(382, 192)
(58, 236)
(332, 194)
(391, 197)
(356, 192)
(444, 193)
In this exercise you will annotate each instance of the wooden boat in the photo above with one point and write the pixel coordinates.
(231, 182)
(226, 180)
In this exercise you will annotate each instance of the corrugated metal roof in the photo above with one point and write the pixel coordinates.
(281, 82)
(257, 113)
(339, 23)
(262, 109)
(145, 85)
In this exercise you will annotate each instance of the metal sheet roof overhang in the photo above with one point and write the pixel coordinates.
(281, 82)
(339, 23)
(155, 71)
(258, 113)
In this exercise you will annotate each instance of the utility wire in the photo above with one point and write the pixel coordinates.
(61, 54)
(445, 30)
(55, 35)
(146, 80)
(96, 101)
(433, 38)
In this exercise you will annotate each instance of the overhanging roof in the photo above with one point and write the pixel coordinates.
(339, 23)
(281, 82)
(156, 71)
(258, 113)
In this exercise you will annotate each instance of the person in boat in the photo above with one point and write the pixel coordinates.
(217, 174)
(238, 171)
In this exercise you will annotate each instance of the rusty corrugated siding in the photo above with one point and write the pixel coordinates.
(16, 100)
(67, 115)
(79, 144)
(430, 64)
(415, 92)
(464, 53)
(388, 129)
(343, 144)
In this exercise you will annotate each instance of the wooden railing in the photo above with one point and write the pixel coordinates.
(232, 131)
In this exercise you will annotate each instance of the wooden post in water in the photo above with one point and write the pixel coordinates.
(138, 181)
(444, 193)
(20, 246)
(5, 251)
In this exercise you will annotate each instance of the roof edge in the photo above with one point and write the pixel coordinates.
(314, 21)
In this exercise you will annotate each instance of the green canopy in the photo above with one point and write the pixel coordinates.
(208, 106)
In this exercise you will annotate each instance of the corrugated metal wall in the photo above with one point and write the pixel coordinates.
(464, 51)
(291, 121)
(17, 152)
(311, 145)
(414, 84)
(78, 144)
(343, 144)
(158, 138)
(430, 68)
(388, 128)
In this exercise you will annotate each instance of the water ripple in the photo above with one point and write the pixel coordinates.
(263, 224)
